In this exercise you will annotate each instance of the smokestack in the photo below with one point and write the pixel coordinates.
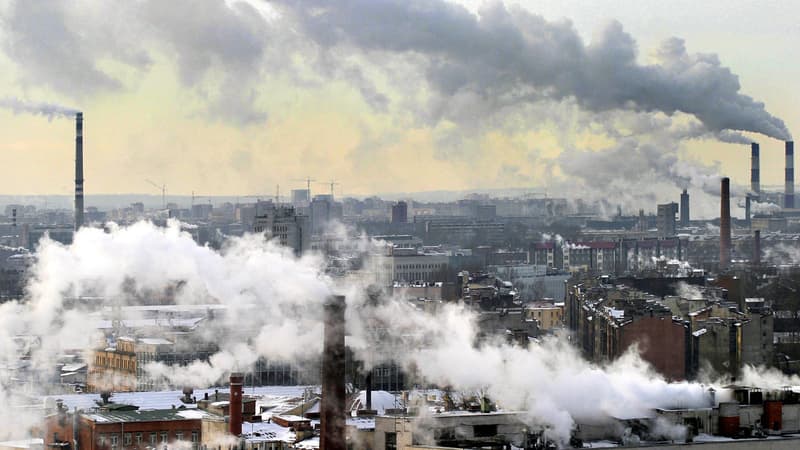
(757, 248)
(235, 405)
(78, 170)
(685, 209)
(755, 169)
(368, 394)
(14, 217)
(788, 199)
(747, 201)
(725, 224)
(332, 415)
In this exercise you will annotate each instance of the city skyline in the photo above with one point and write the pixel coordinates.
(218, 119)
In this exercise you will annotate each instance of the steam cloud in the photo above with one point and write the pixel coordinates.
(49, 110)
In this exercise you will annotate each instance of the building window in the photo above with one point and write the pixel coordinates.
(195, 440)
(138, 439)
(164, 437)
(179, 435)
(114, 441)
(101, 440)
(484, 430)
(128, 439)
(391, 441)
(153, 439)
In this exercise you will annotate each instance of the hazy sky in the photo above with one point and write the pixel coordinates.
(224, 97)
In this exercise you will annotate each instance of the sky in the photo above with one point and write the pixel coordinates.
(632, 100)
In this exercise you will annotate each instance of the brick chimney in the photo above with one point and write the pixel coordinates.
(235, 406)
(332, 411)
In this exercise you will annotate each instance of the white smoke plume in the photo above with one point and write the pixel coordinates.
(49, 110)
(513, 55)
(782, 254)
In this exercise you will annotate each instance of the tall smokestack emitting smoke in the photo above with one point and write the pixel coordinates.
(755, 169)
(788, 199)
(725, 224)
(78, 170)
(332, 409)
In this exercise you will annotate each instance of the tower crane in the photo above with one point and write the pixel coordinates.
(163, 189)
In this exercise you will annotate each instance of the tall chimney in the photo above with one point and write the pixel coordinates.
(788, 199)
(757, 248)
(78, 170)
(332, 410)
(684, 209)
(725, 224)
(235, 405)
(755, 169)
(14, 218)
(747, 201)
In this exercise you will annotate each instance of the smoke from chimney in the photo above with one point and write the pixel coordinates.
(235, 405)
(755, 169)
(332, 415)
(725, 224)
(78, 170)
(788, 200)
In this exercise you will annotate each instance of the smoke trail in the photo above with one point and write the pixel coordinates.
(511, 54)
(49, 110)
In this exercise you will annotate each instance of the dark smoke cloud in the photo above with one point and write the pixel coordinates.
(507, 52)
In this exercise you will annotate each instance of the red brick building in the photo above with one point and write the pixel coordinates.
(123, 427)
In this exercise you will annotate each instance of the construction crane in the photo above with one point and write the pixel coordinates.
(331, 183)
(308, 181)
(163, 189)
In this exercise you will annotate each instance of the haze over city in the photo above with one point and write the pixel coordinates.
(399, 224)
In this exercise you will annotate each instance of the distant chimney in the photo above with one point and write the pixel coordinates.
(235, 404)
(755, 169)
(332, 410)
(747, 201)
(757, 248)
(684, 209)
(725, 224)
(14, 217)
(78, 170)
(788, 199)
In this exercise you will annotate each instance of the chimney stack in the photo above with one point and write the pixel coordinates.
(332, 410)
(757, 248)
(755, 169)
(684, 209)
(235, 404)
(788, 199)
(14, 217)
(747, 215)
(725, 224)
(78, 170)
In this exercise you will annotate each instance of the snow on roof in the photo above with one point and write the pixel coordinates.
(310, 443)
(154, 341)
(361, 423)
(165, 399)
(266, 432)
(381, 400)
